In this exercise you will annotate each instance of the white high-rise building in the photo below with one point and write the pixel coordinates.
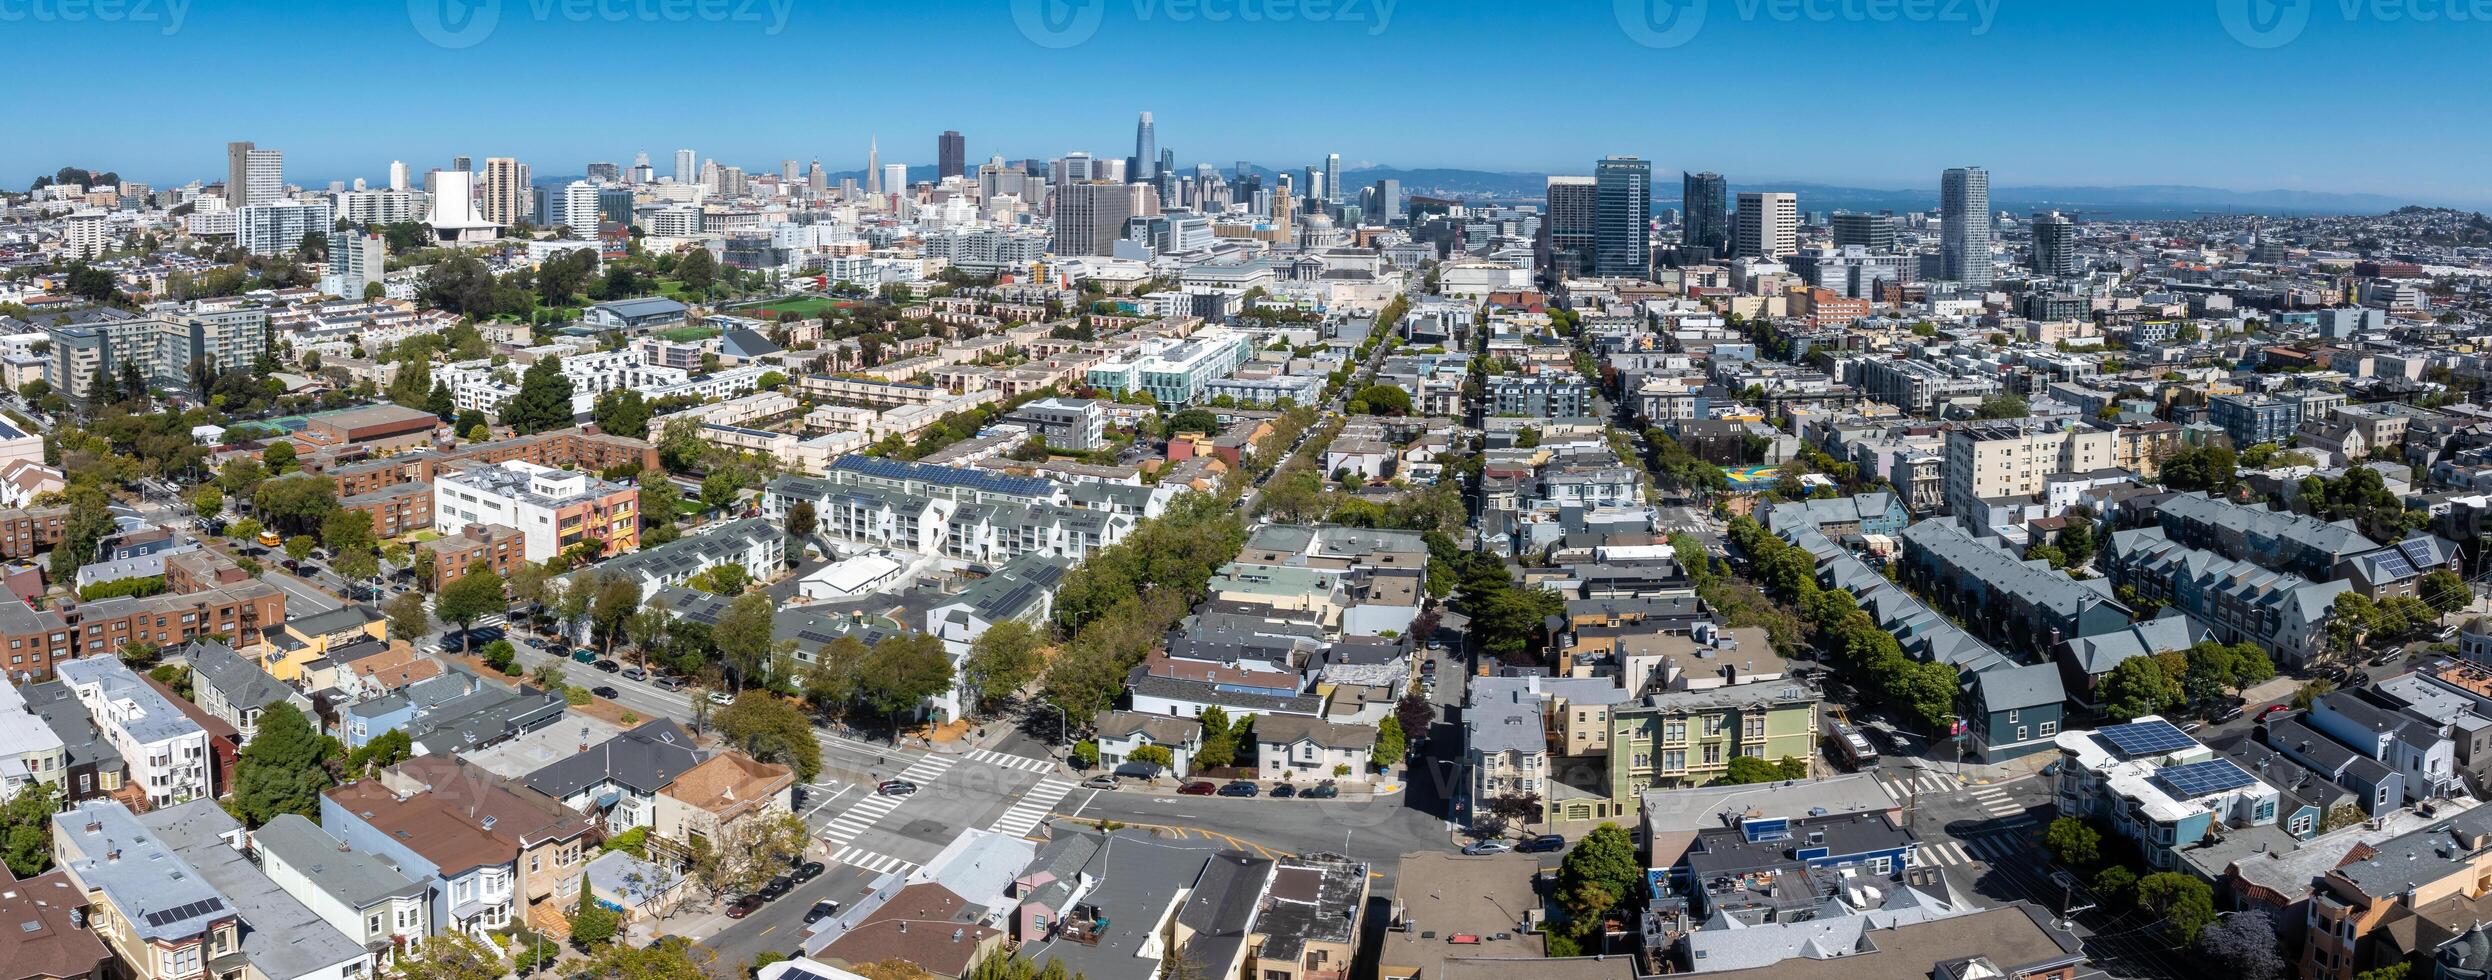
(398, 175)
(1768, 225)
(896, 178)
(277, 228)
(89, 234)
(1332, 177)
(253, 175)
(687, 164)
(579, 208)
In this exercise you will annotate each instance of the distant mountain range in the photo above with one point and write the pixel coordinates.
(2141, 201)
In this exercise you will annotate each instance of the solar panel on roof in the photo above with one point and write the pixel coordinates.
(2146, 737)
(169, 916)
(2204, 778)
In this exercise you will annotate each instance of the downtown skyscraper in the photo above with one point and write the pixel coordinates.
(1145, 163)
(1964, 227)
(951, 155)
(1567, 230)
(1622, 241)
(2054, 244)
(1707, 222)
(687, 166)
(1767, 226)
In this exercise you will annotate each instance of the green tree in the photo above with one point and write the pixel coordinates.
(743, 634)
(592, 924)
(1158, 757)
(468, 598)
(408, 619)
(720, 490)
(609, 605)
(1599, 874)
(902, 672)
(280, 770)
(1002, 660)
(383, 751)
(1390, 744)
(2115, 886)
(2073, 842)
(544, 399)
(2002, 407)
(661, 503)
(2186, 904)
(2445, 591)
(207, 501)
(26, 828)
(2138, 686)
(301, 546)
(1085, 755)
(452, 955)
(1746, 769)
(801, 519)
(623, 412)
(771, 729)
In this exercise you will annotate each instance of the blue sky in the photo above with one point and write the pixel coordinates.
(1876, 93)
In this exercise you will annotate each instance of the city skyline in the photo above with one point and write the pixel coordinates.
(2124, 63)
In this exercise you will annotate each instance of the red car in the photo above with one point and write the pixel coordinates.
(1199, 787)
(2273, 710)
(743, 906)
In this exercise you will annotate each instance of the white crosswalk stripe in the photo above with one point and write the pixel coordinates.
(1008, 761)
(1031, 810)
(1945, 852)
(1995, 802)
(1994, 848)
(857, 857)
(868, 811)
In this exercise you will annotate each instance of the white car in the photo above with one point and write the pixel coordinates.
(1487, 847)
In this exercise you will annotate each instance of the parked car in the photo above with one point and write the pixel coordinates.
(1543, 844)
(635, 674)
(721, 698)
(605, 692)
(2273, 710)
(668, 683)
(584, 655)
(1321, 791)
(1238, 787)
(1199, 787)
(777, 888)
(821, 911)
(2226, 714)
(1101, 781)
(608, 666)
(1487, 847)
(895, 787)
(743, 906)
(1283, 791)
(807, 871)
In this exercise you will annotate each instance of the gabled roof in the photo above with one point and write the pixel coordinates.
(645, 759)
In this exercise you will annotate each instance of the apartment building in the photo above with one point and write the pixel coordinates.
(486, 849)
(165, 751)
(30, 751)
(353, 892)
(1687, 737)
(476, 546)
(2000, 596)
(38, 641)
(755, 544)
(1174, 373)
(2159, 787)
(2012, 461)
(553, 510)
(25, 532)
(158, 915)
(1920, 388)
(574, 448)
(2380, 907)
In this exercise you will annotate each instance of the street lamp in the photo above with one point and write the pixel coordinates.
(1061, 722)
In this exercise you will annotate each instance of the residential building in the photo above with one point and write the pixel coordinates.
(1120, 733)
(53, 939)
(1997, 594)
(158, 915)
(2055, 244)
(355, 893)
(234, 689)
(30, 751)
(1706, 220)
(553, 510)
(1570, 227)
(477, 546)
(277, 935)
(166, 752)
(253, 175)
(2156, 786)
(755, 544)
(722, 802)
(482, 848)
(621, 777)
(2013, 461)
(278, 228)
(1310, 750)
(1687, 736)
(2400, 898)
(2241, 601)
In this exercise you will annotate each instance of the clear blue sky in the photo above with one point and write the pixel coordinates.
(2047, 92)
